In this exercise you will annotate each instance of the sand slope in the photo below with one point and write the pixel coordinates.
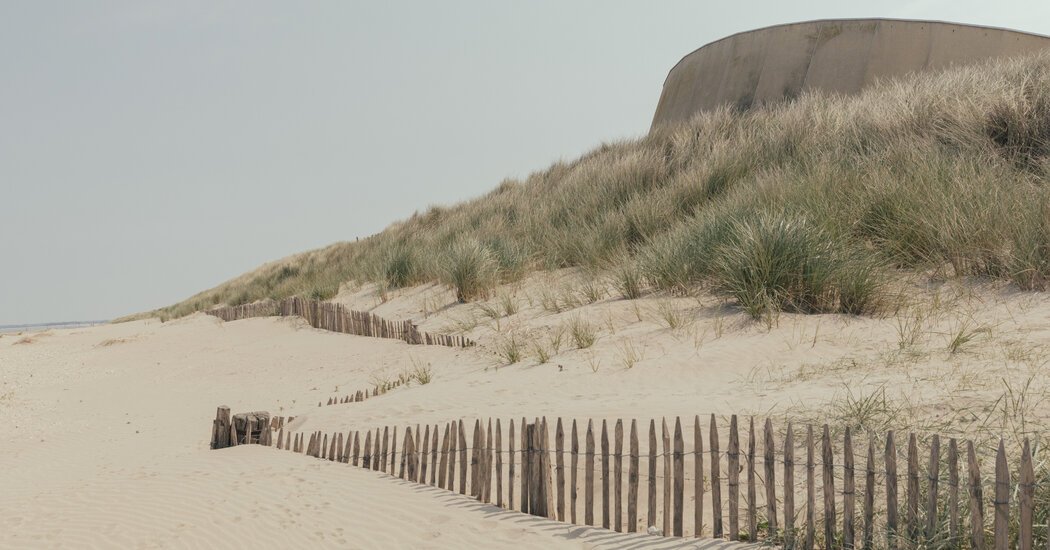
(106, 428)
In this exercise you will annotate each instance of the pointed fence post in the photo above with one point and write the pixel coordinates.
(752, 493)
(912, 518)
(651, 517)
(789, 488)
(1002, 499)
(869, 496)
(574, 467)
(559, 467)
(618, 476)
(953, 492)
(769, 461)
(829, 490)
(1026, 490)
(811, 490)
(976, 492)
(892, 522)
(716, 481)
(698, 478)
(667, 477)
(734, 479)
(510, 465)
(605, 476)
(632, 481)
(933, 474)
(588, 476)
(848, 492)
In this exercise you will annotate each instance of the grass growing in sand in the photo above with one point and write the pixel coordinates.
(804, 207)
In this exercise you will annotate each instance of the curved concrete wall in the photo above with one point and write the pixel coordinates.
(844, 56)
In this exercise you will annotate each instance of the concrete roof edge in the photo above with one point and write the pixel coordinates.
(850, 20)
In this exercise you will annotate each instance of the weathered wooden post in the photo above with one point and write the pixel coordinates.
(220, 428)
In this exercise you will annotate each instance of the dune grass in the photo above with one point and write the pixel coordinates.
(805, 207)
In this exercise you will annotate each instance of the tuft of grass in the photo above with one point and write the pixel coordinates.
(959, 336)
(628, 280)
(423, 374)
(509, 304)
(628, 354)
(543, 354)
(583, 333)
(401, 268)
(593, 290)
(511, 347)
(783, 263)
(549, 300)
(910, 326)
(593, 362)
(674, 318)
(555, 339)
(470, 269)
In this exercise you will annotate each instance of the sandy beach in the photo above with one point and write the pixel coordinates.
(108, 426)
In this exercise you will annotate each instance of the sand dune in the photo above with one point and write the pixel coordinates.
(107, 427)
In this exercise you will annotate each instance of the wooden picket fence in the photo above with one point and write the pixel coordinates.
(361, 395)
(698, 498)
(338, 318)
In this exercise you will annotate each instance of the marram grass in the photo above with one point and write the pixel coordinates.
(804, 207)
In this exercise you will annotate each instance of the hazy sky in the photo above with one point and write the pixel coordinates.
(149, 150)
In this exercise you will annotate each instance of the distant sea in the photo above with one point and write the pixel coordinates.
(35, 327)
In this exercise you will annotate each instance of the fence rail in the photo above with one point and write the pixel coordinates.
(338, 318)
(944, 508)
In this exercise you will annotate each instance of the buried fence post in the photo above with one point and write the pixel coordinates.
(220, 430)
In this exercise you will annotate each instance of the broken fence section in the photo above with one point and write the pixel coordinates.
(338, 318)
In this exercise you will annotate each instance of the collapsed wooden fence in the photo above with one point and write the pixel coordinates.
(940, 508)
(338, 318)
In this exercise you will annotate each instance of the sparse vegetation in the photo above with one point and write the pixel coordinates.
(543, 354)
(511, 347)
(803, 207)
(629, 355)
(508, 303)
(583, 333)
(673, 317)
(422, 373)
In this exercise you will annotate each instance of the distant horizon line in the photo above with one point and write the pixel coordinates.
(9, 328)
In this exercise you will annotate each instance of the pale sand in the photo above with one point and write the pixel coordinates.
(107, 427)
